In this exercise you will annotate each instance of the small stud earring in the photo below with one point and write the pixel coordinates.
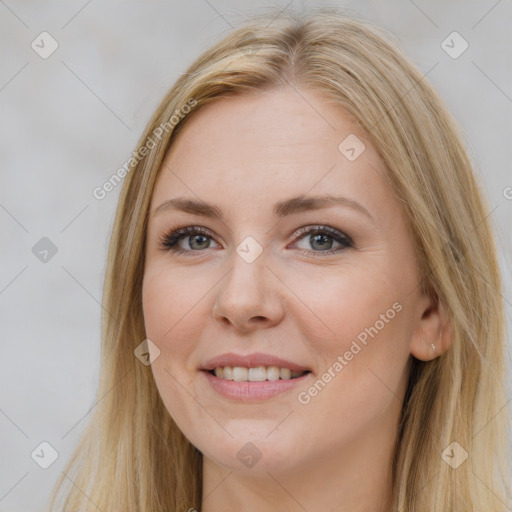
(432, 345)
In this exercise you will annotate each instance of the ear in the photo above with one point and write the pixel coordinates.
(433, 332)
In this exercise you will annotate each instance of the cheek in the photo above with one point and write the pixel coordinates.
(171, 300)
(173, 310)
(171, 307)
(335, 304)
(358, 322)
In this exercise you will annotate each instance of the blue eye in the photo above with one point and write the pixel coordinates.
(198, 239)
(322, 237)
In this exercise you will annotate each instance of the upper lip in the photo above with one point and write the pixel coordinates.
(252, 361)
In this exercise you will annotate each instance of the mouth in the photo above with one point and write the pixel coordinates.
(253, 377)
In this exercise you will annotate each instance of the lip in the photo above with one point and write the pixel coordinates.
(251, 391)
(251, 361)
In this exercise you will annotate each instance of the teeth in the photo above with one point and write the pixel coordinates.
(240, 373)
(273, 373)
(285, 373)
(256, 374)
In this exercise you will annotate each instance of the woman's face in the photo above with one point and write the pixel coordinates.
(283, 279)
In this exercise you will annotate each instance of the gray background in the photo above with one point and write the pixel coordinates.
(69, 121)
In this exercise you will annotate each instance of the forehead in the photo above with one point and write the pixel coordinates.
(274, 144)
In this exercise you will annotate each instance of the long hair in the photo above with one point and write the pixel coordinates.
(133, 458)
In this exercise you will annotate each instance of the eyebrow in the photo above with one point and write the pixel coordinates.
(281, 209)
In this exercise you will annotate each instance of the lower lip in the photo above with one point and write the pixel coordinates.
(252, 391)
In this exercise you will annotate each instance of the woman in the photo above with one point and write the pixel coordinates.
(302, 298)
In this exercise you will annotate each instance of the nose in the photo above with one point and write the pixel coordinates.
(249, 297)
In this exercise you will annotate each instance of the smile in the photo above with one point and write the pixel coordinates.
(254, 376)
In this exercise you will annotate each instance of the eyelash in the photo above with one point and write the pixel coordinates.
(169, 240)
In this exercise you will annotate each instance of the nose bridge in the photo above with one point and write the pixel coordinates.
(246, 279)
(248, 289)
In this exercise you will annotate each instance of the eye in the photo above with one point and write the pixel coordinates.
(186, 240)
(322, 239)
(193, 239)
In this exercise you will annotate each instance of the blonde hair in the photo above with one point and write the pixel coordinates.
(132, 457)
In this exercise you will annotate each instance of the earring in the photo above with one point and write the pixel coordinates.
(432, 345)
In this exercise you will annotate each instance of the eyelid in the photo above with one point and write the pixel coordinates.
(322, 228)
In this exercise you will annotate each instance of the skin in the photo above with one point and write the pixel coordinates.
(244, 154)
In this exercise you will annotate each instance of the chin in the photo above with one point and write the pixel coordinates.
(254, 454)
